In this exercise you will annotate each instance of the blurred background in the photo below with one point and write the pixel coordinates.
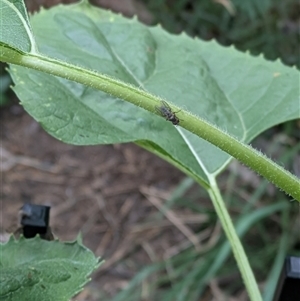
(131, 206)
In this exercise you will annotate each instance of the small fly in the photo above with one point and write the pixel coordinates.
(165, 111)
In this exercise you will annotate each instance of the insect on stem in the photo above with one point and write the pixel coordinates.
(165, 111)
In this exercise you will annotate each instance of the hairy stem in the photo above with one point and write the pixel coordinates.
(202, 128)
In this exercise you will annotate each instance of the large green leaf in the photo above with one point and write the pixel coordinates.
(36, 269)
(15, 29)
(241, 94)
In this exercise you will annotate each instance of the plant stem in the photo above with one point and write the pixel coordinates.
(200, 127)
(237, 248)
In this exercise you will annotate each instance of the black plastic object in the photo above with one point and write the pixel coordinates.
(288, 286)
(34, 219)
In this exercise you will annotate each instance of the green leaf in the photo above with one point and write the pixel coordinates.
(241, 94)
(36, 269)
(15, 27)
